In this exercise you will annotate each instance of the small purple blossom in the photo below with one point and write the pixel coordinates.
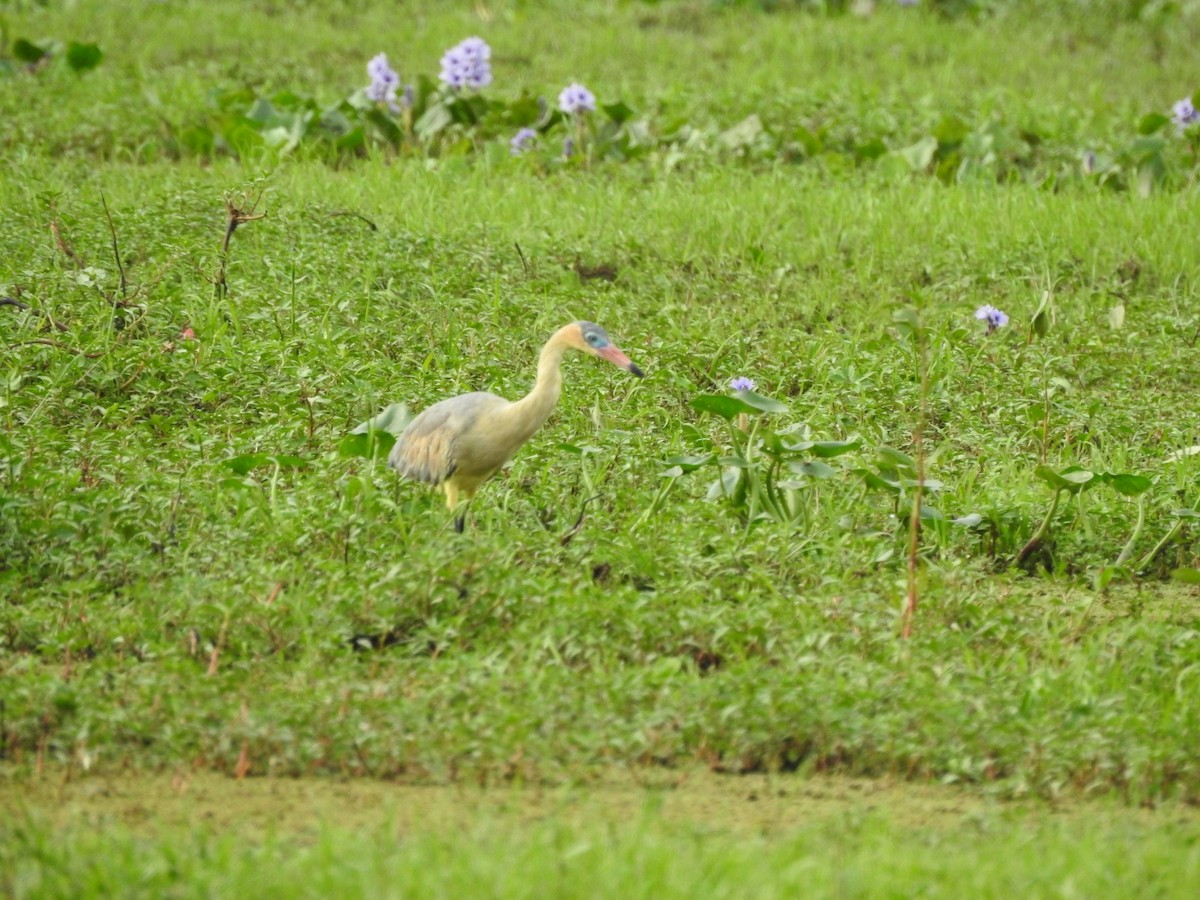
(522, 141)
(742, 383)
(466, 64)
(992, 316)
(575, 98)
(1184, 113)
(569, 147)
(384, 80)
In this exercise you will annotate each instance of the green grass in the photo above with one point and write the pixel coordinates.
(161, 612)
(646, 859)
(715, 838)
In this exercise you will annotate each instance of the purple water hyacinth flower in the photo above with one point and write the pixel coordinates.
(522, 141)
(1184, 113)
(384, 80)
(742, 383)
(466, 64)
(575, 98)
(992, 316)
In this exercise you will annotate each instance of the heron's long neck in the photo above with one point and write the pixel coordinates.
(531, 411)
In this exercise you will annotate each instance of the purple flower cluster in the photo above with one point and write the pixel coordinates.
(992, 316)
(384, 80)
(575, 98)
(742, 383)
(1184, 114)
(466, 64)
(522, 141)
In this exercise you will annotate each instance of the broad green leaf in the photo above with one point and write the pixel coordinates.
(387, 127)
(394, 419)
(951, 130)
(618, 112)
(725, 486)
(1152, 123)
(877, 482)
(691, 463)
(830, 449)
(1069, 479)
(970, 520)
(722, 405)
(1077, 476)
(918, 156)
(1180, 455)
(240, 465)
(287, 462)
(761, 403)
(930, 514)
(368, 446)
(895, 458)
(813, 468)
(1104, 576)
(799, 446)
(809, 141)
(741, 135)
(27, 51)
(1040, 324)
(436, 118)
(929, 484)
(261, 111)
(1186, 575)
(82, 57)
(579, 451)
(1185, 513)
(1129, 485)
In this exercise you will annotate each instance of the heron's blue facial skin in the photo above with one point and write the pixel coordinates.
(594, 336)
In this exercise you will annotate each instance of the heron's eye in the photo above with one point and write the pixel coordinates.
(593, 339)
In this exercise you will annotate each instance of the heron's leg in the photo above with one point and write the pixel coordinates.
(467, 494)
(452, 501)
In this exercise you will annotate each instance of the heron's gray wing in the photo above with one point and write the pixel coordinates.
(426, 451)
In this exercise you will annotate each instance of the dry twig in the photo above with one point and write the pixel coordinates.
(234, 216)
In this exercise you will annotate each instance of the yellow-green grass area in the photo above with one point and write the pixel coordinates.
(683, 833)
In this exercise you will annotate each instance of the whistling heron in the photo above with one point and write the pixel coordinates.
(461, 442)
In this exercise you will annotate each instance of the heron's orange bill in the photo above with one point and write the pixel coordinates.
(617, 358)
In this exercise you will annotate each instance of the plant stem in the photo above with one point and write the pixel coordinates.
(659, 497)
(914, 521)
(1040, 534)
(1127, 550)
(1149, 557)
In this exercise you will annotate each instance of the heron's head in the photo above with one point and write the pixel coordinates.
(595, 340)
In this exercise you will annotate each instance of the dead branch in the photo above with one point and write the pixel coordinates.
(25, 307)
(234, 216)
(354, 215)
